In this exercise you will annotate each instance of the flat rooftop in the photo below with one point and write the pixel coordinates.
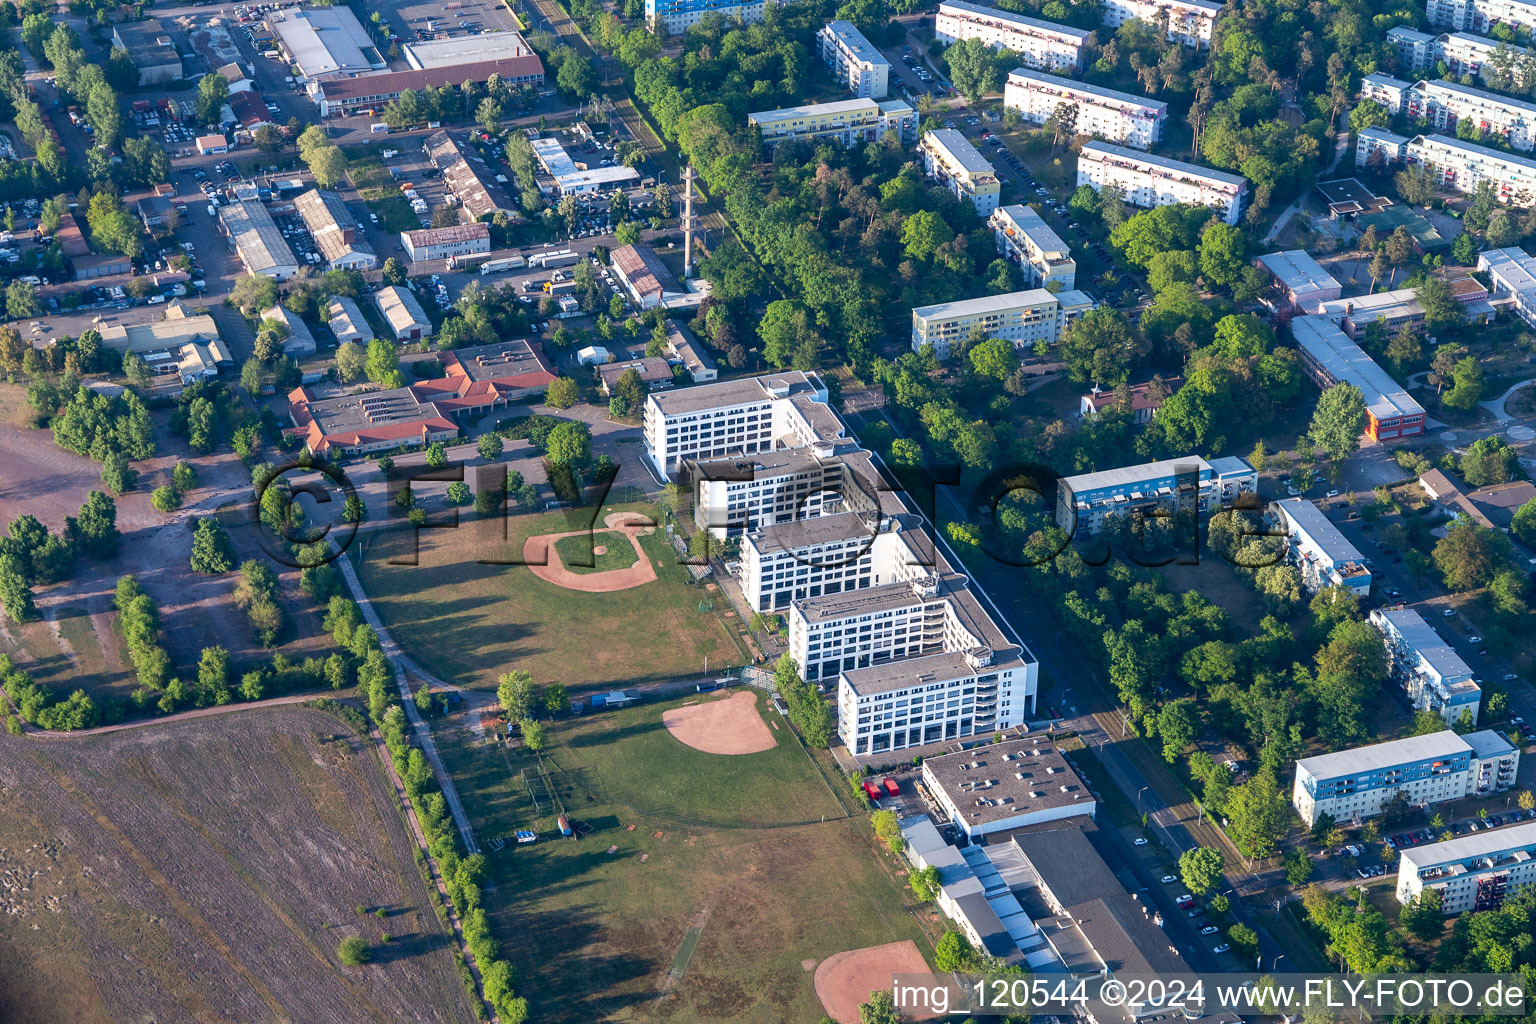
(1476, 846)
(1007, 779)
(1480, 96)
(902, 673)
(1126, 476)
(148, 42)
(500, 360)
(1382, 135)
(1106, 150)
(1379, 756)
(1515, 269)
(853, 40)
(1029, 223)
(799, 534)
(1031, 26)
(1343, 360)
(1084, 89)
(325, 41)
(447, 53)
(1427, 643)
(959, 150)
(1472, 150)
(1298, 271)
(728, 393)
(553, 156)
(860, 106)
(1315, 523)
(986, 304)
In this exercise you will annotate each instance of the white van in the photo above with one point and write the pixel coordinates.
(379, 128)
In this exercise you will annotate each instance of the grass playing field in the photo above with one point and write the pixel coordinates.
(580, 554)
(473, 621)
(743, 856)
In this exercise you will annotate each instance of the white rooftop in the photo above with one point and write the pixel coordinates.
(1298, 271)
(1084, 89)
(959, 150)
(456, 50)
(1428, 644)
(1327, 344)
(1033, 25)
(1378, 756)
(849, 35)
(1102, 150)
(986, 304)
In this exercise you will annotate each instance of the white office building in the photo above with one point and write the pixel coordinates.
(1512, 274)
(950, 159)
(1106, 113)
(1474, 872)
(1023, 237)
(1188, 21)
(739, 495)
(1321, 554)
(1023, 318)
(1041, 45)
(1151, 181)
(1354, 784)
(1460, 165)
(735, 418)
(1006, 786)
(854, 60)
(847, 123)
(830, 554)
(1153, 488)
(1480, 16)
(1379, 147)
(1428, 669)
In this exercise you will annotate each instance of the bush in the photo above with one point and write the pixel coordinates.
(354, 952)
(165, 498)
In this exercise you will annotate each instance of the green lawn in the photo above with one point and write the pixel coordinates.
(595, 934)
(471, 622)
(580, 554)
(378, 189)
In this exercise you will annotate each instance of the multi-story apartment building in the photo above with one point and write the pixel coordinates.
(1462, 52)
(1475, 872)
(1428, 669)
(1330, 357)
(1379, 147)
(1321, 554)
(1460, 165)
(1117, 116)
(677, 16)
(1512, 272)
(1187, 21)
(854, 60)
(1150, 181)
(845, 122)
(1301, 279)
(787, 562)
(1193, 484)
(1358, 783)
(736, 496)
(1480, 16)
(1444, 104)
(1023, 318)
(1383, 88)
(1024, 237)
(1041, 45)
(736, 417)
(1416, 50)
(950, 159)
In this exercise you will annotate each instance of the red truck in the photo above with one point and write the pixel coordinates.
(871, 790)
(890, 786)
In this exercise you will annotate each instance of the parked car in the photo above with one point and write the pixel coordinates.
(1221, 948)
(1209, 929)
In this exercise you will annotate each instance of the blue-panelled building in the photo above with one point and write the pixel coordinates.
(1191, 483)
(676, 16)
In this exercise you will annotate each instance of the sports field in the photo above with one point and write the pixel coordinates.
(1424, 234)
(472, 621)
(723, 883)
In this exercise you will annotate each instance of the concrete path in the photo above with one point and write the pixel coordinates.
(401, 663)
(1496, 405)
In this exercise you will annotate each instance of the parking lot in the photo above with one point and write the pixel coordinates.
(448, 20)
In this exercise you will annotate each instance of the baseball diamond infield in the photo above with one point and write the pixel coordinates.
(541, 557)
(728, 726)
(844, 980)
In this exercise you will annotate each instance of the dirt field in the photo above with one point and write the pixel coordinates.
(207, 870)
(727, 726)
(845, 980)
(76, 644)
(472, 609)
(701, 887)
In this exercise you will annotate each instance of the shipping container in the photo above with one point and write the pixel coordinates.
(565, 825)
(870, 790)
(890, 786)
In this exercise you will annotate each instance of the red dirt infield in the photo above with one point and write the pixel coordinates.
(727, 726)
(844, 980)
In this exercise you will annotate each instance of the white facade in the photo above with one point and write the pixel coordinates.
(1393, 149)
(1321, 554)
(441, 243)
(1386, 90)
(1512, 273)
(932, 699)
(1134, 121)
(1023, 318)
(1415, 50)
(1150, 181)
(1429, 670)
(949, 158)
(846, 122)
(1006, 786)
(678, 16)
(854, 60)
(1041, 45)
(812, 557)
(1461, 165)
(1359, 783)
(736, 417)
(735, 496)
(1187, 21)
(1474, 872)
(1480, 16)
(1444, 104)
(1025, 238)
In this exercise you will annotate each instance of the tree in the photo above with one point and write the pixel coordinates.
(165, 498)
(459, 493)
(212, 94)
(96, 526)
(953, 952)
(1423, 915)
(21, 301)
(563, 393)
(923, 233)
(994, 357)
(1200, 869)
(436, 455)
(353, 952)
(1489, 460)
(393, 272)
(1178, 723)
(1298, 867)
(1467, 385)
(557, 701)
(881, 1009)
(925, 883)
(1338, 421)
(117, 474)
(1258, 816)
(383, 360)
(1523, 525)
(1243, 939)
(351, 362)
(15, 592)
(1469, 555)
(1441, 308)
(254, 292)
(211, 549)
(575, 77)
(569, 444)
(328, 165)
(489, 447)
(515, 694)
(534, 736)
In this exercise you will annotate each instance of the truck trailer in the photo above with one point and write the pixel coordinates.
(554, 258)
(505, 263)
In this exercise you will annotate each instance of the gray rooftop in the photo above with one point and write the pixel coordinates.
(1107, 149)
(985, 304)
(1028, 222)
(1480, 95)
(1473, 149)
(849, 35)
(859, 106)
(1128, 475)
(1298, 271)
(1515, 269)
(906, 672)
(800, 534)
(1427, 643)
(1383, 135)
(1487, 743)
(1047, 779)
(1327, 344)
(1375, 757)
(1312, 521)
(1033, 26)
(1084, 89)
(501, 359)
(325, 40)
(959, 150)
(257, 237)
(1475, 846)
(728, 393)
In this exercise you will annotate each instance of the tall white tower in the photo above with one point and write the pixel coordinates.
(688, 177)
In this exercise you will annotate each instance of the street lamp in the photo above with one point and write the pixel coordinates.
(1276, 965)
(1140, 791)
